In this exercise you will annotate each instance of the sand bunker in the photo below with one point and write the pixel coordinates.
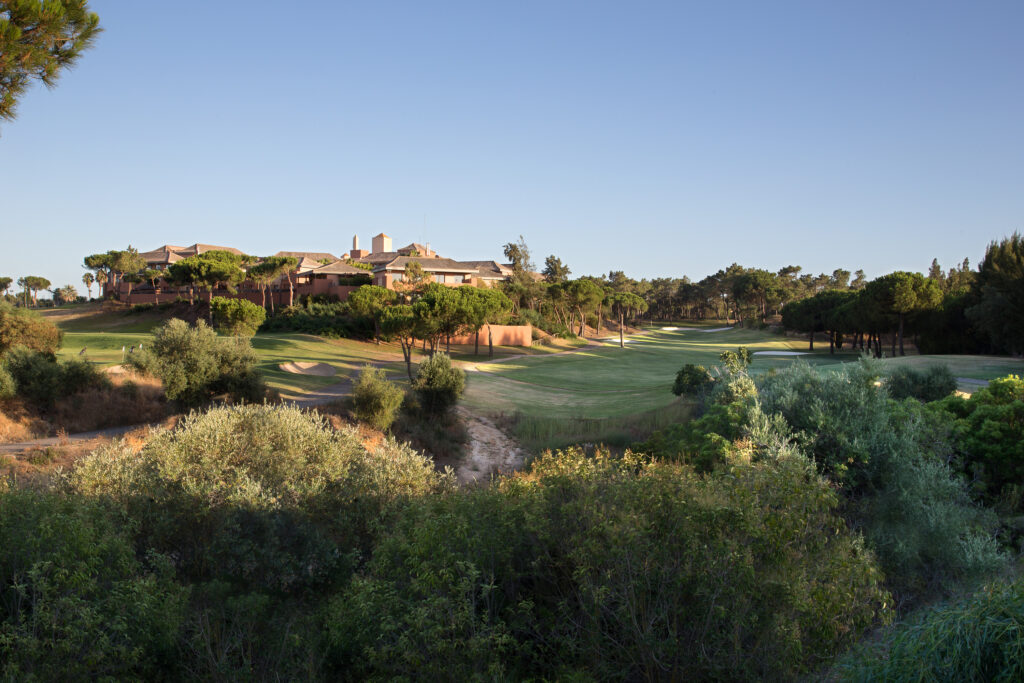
(780, 353)
(318, 369)
(718, 329)
(678, 329)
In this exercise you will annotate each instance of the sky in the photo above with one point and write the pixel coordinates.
(659, 138)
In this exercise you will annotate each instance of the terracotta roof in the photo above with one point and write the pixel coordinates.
(315, 255)
(419, 249)
(169, 253)
(490, 269)
(379, 257)
(340, 268)
(430, 265)
(306, 264)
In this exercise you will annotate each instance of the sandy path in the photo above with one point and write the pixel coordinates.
(489, 451)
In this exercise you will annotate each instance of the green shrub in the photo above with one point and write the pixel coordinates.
(692, 380)
(237, 317)
(890, 457)
(76, 602)
(596, 568)
(42, 380)
(7, 386)
(735, 388)
(977, 639)
(267, 497)
(704, 443)
(375, 400)
(988, 431)
(195, 365)
(22, 327)
(930, 384)
(438, 385)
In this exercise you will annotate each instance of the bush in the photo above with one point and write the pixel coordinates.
(375, 400)
(237, 317)
(692, 380)
(22, 327)
(977, 639)
(7, 386)
(264, 497)
(930, 384)
(597, 568)
(195, 365)
(438, 385)
(42, 380)
(76, 602)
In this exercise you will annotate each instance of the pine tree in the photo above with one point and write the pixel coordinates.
(37, 40)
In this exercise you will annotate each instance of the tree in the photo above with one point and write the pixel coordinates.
(209, 270)
(369, 301)
(583, 295)
(33, 283)
(37, 41)
(126, 262)
(65, 295)
(5, 284)
(438, 385)
(622, 304)
(153, 276)
(87, 280)
(481, 306)
(400, 322)
(21, 327)
(1000, 283)
(101, 280)
(375, 400)
(237, 317)
(902, 293)
(443, 312)
(554, 270)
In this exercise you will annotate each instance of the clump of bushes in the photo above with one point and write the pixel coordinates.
(22, 327)
(41, 379)
(692, 380)
(976, 639)
(323, 319)
(606, 568)
(195, 365)
(237, 317)
(438, 385)
(375, 400)
(930, 384)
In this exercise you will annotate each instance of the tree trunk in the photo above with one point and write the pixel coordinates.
(892, 339)
(376, 331)
(448, 344)
(263, 293)
(902, 316)
(476, 347)
(811, 347)
(407, 352)
(490, 341)
(291, 291)
(622, 324)
(832, 342)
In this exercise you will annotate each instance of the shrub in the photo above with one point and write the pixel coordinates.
(76, 602)
(438, 385)
(930, 384)
(7, 386)
(977, 639)
(263, 497)
(735, 388)
(596, 568)
(375, 400)
(692, 379)
(237, 317)
(22, 327)
(42, 380)
(195, 365)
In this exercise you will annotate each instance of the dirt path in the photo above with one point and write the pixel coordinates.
(489, 451)
(109, 433)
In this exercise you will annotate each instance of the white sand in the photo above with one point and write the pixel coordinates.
(780, 353)
(678, 329)
(318, 369)
(718, 329)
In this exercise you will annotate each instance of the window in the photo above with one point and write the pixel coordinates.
(396, 277)
(440, 277)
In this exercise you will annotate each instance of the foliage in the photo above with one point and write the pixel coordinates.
(607, 569)
(42, 380)
(369, 302)
(979, 638)
(704, 443)
(1000, 283)
(195, 365)
(375, 400)
(438, 385)
(692, 380)
(37, 41)
(929, 384)
(326, 320)
(22, 327)
(736, 361)
(7, 386)
(77, 602)
(237, 317)
(988, 430)
(890, 458)
(261, 497)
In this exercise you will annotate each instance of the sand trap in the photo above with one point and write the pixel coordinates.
(780, 353)
(678, 329)
(718, 329)
(318, 369)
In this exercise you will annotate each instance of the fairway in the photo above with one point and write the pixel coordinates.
(608, 381)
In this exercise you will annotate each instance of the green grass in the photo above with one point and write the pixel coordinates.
(610, 382)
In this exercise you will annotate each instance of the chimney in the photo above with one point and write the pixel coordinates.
(381, 243)
(356, 252)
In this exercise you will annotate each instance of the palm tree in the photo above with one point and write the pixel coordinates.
(101, 280)
(87, 280)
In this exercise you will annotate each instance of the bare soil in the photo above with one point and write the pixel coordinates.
(489, 451)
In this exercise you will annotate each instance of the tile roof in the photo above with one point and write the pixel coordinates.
(340, 268)
(315, 255)
(430, 265)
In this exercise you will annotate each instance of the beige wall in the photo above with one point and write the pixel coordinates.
(504, 335)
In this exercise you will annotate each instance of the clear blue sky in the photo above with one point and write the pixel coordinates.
(659, 138)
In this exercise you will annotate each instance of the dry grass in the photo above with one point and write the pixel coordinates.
(17, 424)
(129, 400)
